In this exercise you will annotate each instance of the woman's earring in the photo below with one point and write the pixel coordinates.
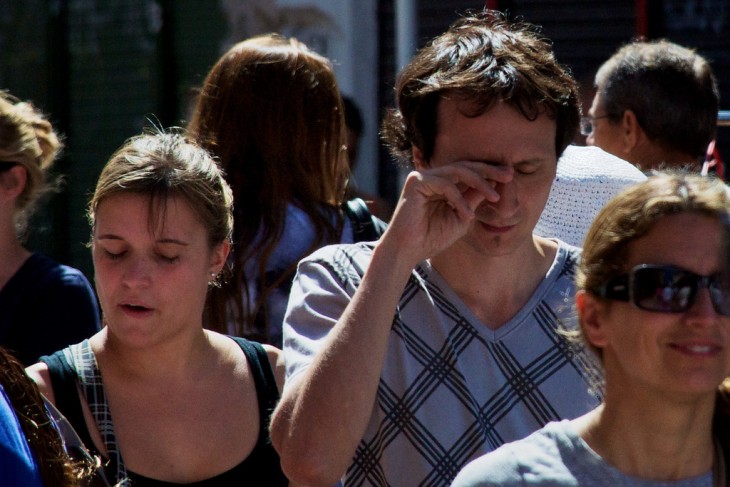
(214, 282)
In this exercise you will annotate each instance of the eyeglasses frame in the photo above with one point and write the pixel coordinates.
(587, 120)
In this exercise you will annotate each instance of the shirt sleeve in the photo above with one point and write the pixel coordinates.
(323, 287)
(496, 469)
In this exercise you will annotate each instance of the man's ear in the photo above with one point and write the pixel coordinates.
(12, 182)
(631, 131)
(419, 161)
(591, 312)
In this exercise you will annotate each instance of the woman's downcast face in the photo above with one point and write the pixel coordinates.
(152, 266)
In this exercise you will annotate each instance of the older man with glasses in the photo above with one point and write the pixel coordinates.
(656, 106)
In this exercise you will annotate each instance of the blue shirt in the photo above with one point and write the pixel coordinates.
(555, 456)
(18, 465)
(45, 307)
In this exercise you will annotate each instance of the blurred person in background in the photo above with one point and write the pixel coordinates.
(355, 126)
(271, 113)
(44, 305)
(656, 106)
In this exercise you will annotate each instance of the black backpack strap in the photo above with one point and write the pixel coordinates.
(365, 227)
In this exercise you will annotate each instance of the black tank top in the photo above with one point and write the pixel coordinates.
(260, 468)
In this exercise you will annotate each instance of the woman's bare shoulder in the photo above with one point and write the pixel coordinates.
(275, 355)
(40, 374)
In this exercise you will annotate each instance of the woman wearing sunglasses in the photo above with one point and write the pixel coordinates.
(654, 304)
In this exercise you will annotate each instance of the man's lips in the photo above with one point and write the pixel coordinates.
(496, 228)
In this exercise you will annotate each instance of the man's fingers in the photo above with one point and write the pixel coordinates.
(476, 175)
(437, 188)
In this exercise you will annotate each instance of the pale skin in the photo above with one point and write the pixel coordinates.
(661, 370)
(12, 252)
(173, 388)
(470, 209)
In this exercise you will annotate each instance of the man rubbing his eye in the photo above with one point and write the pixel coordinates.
(410, 356)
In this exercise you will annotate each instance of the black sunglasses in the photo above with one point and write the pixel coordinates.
(666, 289)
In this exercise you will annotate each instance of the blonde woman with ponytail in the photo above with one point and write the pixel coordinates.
(44, 305)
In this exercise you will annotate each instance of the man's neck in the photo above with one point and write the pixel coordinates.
(655, 157)
(495, 288)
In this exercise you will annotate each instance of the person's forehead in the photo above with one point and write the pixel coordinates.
(501, 132)
(460, 108)
(666, 242)
(172, 210)
(596, 104)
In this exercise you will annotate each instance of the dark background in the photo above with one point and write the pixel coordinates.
(104, 70)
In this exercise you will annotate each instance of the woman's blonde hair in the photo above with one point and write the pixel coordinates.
(27, 139)
(168, 164)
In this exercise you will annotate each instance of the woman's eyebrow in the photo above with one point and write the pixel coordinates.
(170, 240)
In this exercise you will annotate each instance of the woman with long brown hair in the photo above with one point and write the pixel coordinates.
(270, 111)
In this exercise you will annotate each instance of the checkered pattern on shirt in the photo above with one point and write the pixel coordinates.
(81, 357)
(451, 389)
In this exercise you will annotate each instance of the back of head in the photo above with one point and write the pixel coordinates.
(484, 58)
(167, 164)
(270, 111)
(671, 90)
(55, 465)
(27, 139)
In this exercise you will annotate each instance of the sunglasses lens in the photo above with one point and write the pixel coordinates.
(664, 289)
(720, 291)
